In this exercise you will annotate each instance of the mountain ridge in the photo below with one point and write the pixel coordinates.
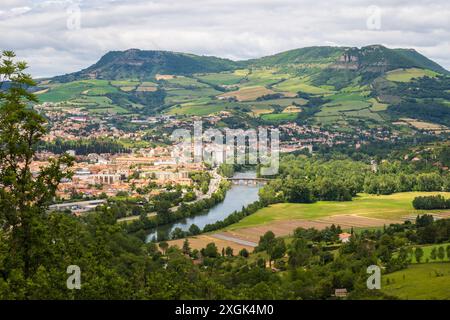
(145, 64)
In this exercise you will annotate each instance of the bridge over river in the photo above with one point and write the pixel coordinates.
(248, 181)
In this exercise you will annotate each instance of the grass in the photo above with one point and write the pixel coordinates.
(196, 109)
(248, 93)
(75, 89)
(175, 96)
(185, 82)
(406, 75)
(264, 77)
(395, 206)
(282, 102)
(341, 108)
(224, 78)
(348, 106)
(278, 117)
(377, 106)
(420, 281)
(298, 84)
(124, 83)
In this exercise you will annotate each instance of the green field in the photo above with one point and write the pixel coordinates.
(224, 78)
(263, 77)
(406, 75)
(395, 206)
(279, 117)
(419, 281)
(299, 84)
(193, 109)
(377, 106)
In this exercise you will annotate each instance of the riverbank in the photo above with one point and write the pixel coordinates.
(236, 197)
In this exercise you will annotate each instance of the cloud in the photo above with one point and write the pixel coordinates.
(49, 36)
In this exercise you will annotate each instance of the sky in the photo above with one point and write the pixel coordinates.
(61, 36)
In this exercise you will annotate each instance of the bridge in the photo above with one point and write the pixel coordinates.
(248, 181)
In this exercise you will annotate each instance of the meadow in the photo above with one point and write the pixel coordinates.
(396, 207)
(406, 75)
(279, 117)
(299, 84)
(426, 281)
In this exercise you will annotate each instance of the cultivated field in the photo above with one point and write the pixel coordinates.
(406, 75)
(247, 94)
(422, 125)
(299, 84)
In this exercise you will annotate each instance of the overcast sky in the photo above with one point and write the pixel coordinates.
(60, 36)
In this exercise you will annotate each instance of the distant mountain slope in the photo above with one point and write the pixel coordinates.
(300, 56)
(143, 65)
(373, 58)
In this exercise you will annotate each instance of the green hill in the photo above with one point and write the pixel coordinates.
(143, 65)
(342, 86)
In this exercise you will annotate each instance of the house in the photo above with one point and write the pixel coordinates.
(344, 237)
(340, 293)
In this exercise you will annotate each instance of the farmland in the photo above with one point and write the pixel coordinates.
(406, 75)
(393, 207)
(248, 93)
(298, 84)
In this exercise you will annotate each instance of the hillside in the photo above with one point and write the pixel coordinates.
(144, 65)
(325, 86)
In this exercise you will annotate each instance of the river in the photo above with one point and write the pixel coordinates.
(237, 197)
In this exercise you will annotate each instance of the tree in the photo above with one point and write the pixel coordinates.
(163, 245)
(419, 254)
(299, 253)
(266, 241)
(186, 247)
(276, 251)
(194, 230)
(162, 210)
(433, 254)
(424, 220)
(441, 253)
(229, 252)
(24, 198)
(244, 253)
(448, 252)
(210, 251)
